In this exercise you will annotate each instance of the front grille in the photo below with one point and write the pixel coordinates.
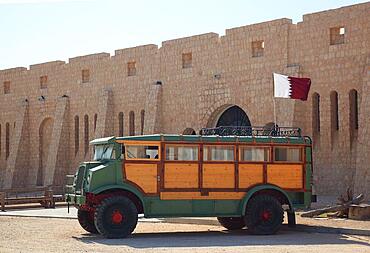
(80, 177)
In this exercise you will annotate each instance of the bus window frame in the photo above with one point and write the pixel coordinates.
(142, 143)
(270, 160)
(181, 145)
(301, 154)
(220, 144)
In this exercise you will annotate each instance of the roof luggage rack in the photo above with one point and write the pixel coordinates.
(252, 131)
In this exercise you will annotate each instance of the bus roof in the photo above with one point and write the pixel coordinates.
(216, 138)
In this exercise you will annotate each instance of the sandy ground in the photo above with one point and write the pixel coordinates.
(24, 234)
(61, 212)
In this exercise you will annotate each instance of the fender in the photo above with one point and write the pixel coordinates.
(259, 188)
(126, 187)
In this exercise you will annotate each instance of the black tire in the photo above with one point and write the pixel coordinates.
(264, 215)
(232, 223)
(116, 217)
(86, 221)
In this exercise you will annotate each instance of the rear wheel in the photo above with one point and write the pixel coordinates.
(264, 215)
(232, 223)
(86, 220)
(116, 217)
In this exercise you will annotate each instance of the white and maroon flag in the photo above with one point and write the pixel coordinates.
(291, 87)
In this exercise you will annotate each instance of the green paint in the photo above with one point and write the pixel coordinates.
(245, 139)
(263, 139)
(280, 140)
(296, 140)
(191, 208)
(75, 199)
(308, 154)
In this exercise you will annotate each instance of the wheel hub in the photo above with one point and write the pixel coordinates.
(117, 217)
(266, 215)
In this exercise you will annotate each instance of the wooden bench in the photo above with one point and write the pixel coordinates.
(15, 196)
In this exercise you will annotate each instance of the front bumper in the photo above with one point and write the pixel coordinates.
(75, 199)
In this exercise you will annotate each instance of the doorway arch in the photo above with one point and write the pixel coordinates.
(231, 115)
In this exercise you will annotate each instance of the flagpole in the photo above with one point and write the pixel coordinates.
(275, 120)
(274, 102)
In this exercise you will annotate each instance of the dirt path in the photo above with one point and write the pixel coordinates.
(21, 234)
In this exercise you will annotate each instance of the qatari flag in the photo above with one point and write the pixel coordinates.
(291, 87)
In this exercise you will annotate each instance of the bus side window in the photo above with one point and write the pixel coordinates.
(218, 153)
(284, 154)
(255, 154)
(141, 152)
(181, 153)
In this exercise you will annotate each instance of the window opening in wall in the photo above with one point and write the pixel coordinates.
(316, 113)
(131, 68)
(7, 140)
(6, 87)
(337, 35)
(258, 48)
(43, 82)
(77, 134)
(353, 117)
(132, 123)
(86, 134)
(0, 141)
(95, 120)
(334, 113)
(120, 124)
(85, 75)
(353, 109)
(187, 60)
(142, 117)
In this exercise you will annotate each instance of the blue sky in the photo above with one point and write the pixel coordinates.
(35, 31)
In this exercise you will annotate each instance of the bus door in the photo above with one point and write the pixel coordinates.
(141, 165)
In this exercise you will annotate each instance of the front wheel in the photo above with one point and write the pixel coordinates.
(86, 220)
(232, 223)
(116, 217)
(264, 215)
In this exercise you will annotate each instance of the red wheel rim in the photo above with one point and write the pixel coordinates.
(117, 217)
(265, 215)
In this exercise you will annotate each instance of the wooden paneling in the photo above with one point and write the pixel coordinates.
(181, 175)
(218, 175)
(250, 174)
(144, 175)
(288, 176)
(197, 195)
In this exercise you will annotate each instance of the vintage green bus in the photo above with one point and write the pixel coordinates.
(246, 177)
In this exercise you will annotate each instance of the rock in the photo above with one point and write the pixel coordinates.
(359, 212)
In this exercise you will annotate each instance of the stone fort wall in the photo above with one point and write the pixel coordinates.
(51, 110)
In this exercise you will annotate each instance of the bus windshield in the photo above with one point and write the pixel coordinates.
(103, 152)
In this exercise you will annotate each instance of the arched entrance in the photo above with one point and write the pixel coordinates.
(233, 116)
(45, 132)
